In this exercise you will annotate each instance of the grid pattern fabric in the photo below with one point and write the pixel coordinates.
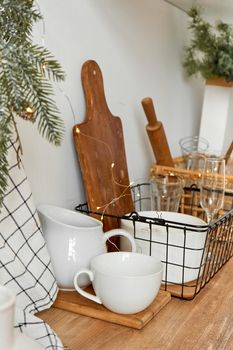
(25, 265)
(37, 329)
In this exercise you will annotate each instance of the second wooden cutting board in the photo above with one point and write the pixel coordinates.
(99, 143)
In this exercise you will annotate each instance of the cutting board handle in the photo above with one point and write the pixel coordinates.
(93, 86)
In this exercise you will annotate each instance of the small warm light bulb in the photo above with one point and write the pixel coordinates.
(29, 110)
(98, 208)
(112, 165)
(77, 130)
(131, 183)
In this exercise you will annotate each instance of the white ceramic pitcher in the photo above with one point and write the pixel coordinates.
(73, 239)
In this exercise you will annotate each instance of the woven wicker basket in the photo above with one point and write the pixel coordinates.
(190, 201)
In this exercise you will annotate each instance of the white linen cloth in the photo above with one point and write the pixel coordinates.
(25, 265)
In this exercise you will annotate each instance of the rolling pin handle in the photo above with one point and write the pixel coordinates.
(148, 106)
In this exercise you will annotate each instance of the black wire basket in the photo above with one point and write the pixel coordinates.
(191, 251)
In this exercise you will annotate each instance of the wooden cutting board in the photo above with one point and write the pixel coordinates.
(99, 144)
(74, 302)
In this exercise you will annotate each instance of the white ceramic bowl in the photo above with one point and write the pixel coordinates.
(181, 249)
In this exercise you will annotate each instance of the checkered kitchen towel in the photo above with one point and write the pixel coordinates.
(25, 265)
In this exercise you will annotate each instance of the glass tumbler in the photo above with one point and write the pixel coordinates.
(166, 193)
(193, 149)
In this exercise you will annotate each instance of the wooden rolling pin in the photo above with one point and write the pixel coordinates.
(157, 135)
(228, 152)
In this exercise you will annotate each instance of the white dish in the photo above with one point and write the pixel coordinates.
(22, 342)
(181, 250)
(11, 338)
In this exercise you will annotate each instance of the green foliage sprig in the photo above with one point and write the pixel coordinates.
(210, 53)
(26, 70)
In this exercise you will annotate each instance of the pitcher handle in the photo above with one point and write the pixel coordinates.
(121, 232)
(83, 292)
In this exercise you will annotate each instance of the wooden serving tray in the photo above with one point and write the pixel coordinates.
(74, 302)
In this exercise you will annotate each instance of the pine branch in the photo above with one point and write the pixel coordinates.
(5, 136)
(23, 79)
(16, 20)
(26, 72)
(49, 67)
(210, 52)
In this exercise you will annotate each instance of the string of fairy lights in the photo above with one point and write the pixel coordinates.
(112, 166)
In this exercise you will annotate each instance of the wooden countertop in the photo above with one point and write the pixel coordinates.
(205, 323)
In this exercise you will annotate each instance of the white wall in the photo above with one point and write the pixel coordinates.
(138, 46)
